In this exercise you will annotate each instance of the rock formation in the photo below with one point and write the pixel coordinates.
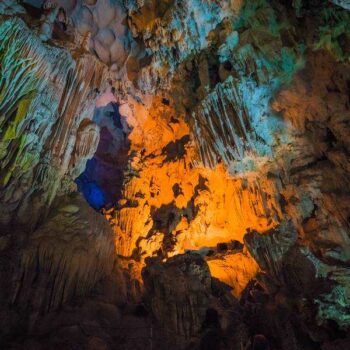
(174, 174)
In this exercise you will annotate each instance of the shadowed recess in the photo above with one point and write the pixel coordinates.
(102, 180)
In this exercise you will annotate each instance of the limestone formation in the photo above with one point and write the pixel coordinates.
(174, 174)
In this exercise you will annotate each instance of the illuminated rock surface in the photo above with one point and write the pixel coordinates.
(174, 174)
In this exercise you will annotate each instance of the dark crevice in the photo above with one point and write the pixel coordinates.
(101, 182)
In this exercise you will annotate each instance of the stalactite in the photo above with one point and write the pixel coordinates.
(40, 85)
(223, 126)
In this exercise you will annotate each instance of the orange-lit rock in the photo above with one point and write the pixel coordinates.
(173, 204)
(236, 270)
(237, 118)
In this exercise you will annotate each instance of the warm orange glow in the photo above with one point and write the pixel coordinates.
(236, 270)
(226, 206)
(229, 207)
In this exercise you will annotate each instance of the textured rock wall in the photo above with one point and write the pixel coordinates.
(65, 257)
(46, 104)
(266, 102)
(171, 205)
(189, 304)
(239, 150)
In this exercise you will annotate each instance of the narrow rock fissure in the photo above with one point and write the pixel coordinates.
(102, 180)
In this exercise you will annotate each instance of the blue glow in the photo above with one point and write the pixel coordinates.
(91, 190)
(92, 193)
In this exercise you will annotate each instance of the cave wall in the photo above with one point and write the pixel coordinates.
(260, 107)
(234, 195)
(266, 102)
(45, 130)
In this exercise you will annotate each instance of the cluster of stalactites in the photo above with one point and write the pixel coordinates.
(45, 97)
(221, 126)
